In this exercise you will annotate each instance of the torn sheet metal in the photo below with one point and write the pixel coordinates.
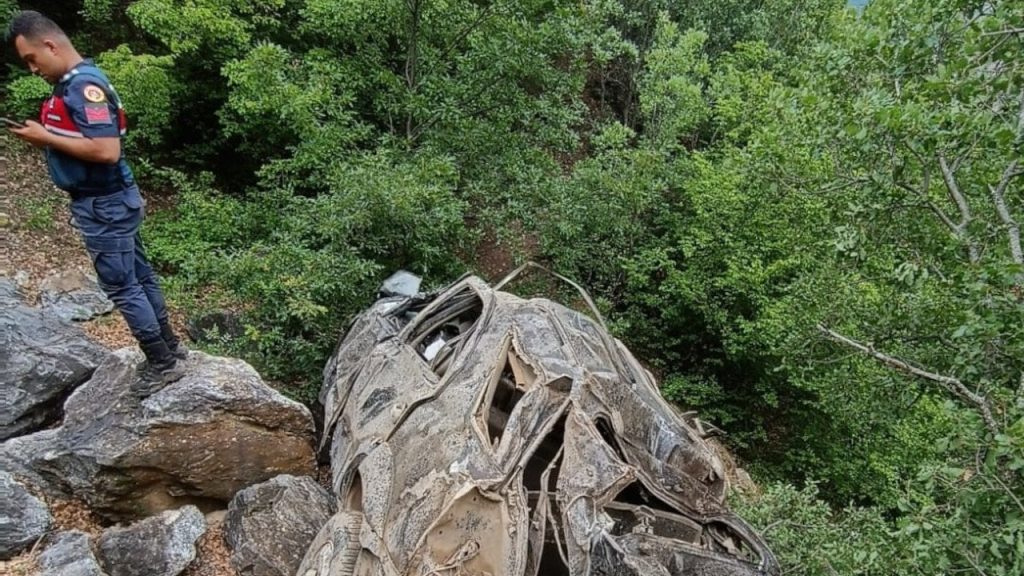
(477, 433)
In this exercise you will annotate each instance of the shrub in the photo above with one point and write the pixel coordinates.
(148, 91)
(299, 267)
(25, 94)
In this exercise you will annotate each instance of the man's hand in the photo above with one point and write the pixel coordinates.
(34, 134)
(100, 150)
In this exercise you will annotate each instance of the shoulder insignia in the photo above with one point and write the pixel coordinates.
(94, 93)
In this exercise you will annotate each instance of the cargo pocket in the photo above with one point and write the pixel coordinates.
(111, 209)
(114, 261)
(133, 198)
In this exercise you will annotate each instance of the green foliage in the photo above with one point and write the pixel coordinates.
(671, 90)
(145, 84)
(187, 27)
(40, 211)
(731, 179)
(279, 101)
(7, 7)
(952, 517)
(299, 267)
(810, 538)
(791, 26)
(24, 96)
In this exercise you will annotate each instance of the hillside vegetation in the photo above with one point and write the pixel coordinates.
(803, 217)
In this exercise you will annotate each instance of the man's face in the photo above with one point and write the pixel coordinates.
(42, 56)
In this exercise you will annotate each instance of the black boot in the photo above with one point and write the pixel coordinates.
(178, 350)
(161, 368)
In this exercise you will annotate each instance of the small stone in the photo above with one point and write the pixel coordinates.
(22, 279)
(70, 554)
(162, 545)
(23, 518)
(74, 295)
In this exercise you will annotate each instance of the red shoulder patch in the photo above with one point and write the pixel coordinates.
(97, 113)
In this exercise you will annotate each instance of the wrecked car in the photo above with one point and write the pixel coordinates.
(474, 432)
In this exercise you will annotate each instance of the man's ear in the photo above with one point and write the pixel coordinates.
(50, 45)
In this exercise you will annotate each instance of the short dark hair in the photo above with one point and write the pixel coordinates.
(32, 25)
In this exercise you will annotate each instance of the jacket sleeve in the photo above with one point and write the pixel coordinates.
(91, 109)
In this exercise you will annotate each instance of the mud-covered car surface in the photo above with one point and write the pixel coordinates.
(475, 432)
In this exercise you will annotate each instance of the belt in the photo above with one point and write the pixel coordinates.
(79, 194)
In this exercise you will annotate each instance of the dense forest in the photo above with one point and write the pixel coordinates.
(803, 216)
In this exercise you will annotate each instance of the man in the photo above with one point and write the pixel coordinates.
(80, 129)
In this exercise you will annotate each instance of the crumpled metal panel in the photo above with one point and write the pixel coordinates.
(473, 432)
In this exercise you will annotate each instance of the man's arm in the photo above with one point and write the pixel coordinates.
(105, 150)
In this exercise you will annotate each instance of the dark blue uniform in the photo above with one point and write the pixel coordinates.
(105, 201)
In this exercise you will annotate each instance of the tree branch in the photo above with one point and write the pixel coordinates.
(999, 199)
(1019, 397)
(412, 55)
(950, 384)
(961, 203)
(995, 476)
(999, 191)
(1002, 32)
(960, 159)
(926, 185)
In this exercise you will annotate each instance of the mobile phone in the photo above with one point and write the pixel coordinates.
(12, 123)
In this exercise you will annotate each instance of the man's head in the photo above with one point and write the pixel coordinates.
(42, 45)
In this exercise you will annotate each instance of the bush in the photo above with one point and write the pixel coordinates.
(298, 267)
(810, 538)
(25, 95)
(148, 91)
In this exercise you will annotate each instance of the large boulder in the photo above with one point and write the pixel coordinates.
(23, 518)
(74, 295)
(42, 358)
(269, 526)
(69, 554)
(161, 545)
(199, 440)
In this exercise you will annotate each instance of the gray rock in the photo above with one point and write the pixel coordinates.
(74, 295)
(270, 526)
(161, 545)
(69, 554)
(42, 358)
(202, 438)
(23, 518)
(22, 279)
(215, 326)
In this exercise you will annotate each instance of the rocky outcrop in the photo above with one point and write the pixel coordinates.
(69, 554)
(161, 545)
(269, 526)
(42, 358)
(23, 518)
(201, 439)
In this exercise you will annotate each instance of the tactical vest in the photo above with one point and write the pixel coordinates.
(79, 177)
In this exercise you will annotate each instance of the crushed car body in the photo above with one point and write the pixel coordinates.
(474, 432)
